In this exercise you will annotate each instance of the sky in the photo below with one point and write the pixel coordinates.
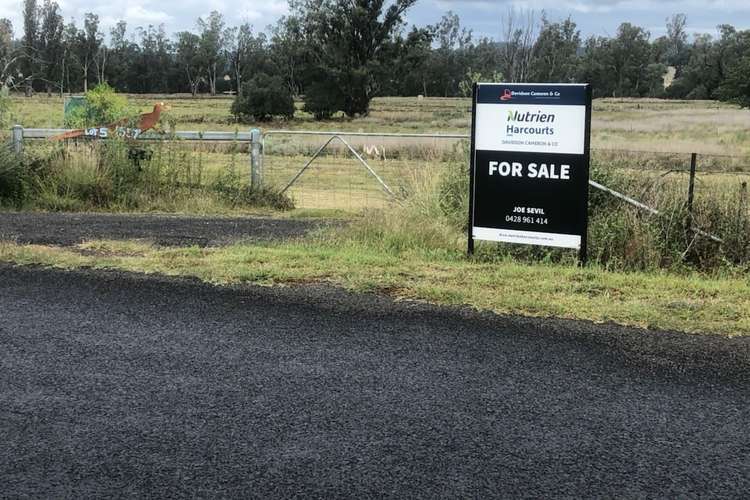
(483, 17)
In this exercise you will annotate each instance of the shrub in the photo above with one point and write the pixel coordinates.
(103, 106)
(735, 87)
(323, 99)
(263, 98)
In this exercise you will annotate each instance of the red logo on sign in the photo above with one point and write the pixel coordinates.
(507, 96)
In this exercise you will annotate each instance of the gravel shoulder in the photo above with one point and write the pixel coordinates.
(67, 229)
(116, 384)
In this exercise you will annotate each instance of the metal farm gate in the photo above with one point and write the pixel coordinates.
(349, 170)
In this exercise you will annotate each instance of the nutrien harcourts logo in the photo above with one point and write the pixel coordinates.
(529, 117)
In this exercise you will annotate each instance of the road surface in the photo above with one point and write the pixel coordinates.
(116, 384)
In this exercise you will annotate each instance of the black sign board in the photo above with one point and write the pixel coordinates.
(530, 164)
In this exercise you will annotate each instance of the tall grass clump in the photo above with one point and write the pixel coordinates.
(232, 188)
(15, 179)
(416, 223)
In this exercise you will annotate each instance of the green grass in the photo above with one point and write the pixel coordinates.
(690, 303)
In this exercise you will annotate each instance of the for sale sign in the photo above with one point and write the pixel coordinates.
(530, 164)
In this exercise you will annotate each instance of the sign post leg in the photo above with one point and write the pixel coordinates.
(583, 252)
(470, 229)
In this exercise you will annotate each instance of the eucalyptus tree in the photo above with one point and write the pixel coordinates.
(51, 51)
(190, 60)
(247, 54)
(8, 55)
(448, 62)
(289, 52)
(29, 44)
(88, 44)
(555, 53)
(212, 41)
(348, 42)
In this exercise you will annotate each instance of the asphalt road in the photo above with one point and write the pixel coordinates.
(122, 385)
(65, 229)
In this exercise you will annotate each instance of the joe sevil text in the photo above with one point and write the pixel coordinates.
(530, 164)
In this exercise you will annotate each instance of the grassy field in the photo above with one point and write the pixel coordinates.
(705, 127)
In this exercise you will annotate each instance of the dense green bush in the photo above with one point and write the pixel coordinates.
(736, 87)
(263, 98)
(102, 106)
(323, 99)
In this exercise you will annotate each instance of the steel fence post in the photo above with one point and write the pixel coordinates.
(17, 138)
(689, 236)
(691, 185)
(256, 158)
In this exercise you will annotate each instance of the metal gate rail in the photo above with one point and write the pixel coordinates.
(356, 155)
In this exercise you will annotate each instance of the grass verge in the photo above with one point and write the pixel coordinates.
(688, 303)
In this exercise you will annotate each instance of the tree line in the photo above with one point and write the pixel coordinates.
(338, 54)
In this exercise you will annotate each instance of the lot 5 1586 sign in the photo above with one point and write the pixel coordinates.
(530, 164)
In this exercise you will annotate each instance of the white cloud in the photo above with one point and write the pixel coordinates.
(176, 15)
(137, 14)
